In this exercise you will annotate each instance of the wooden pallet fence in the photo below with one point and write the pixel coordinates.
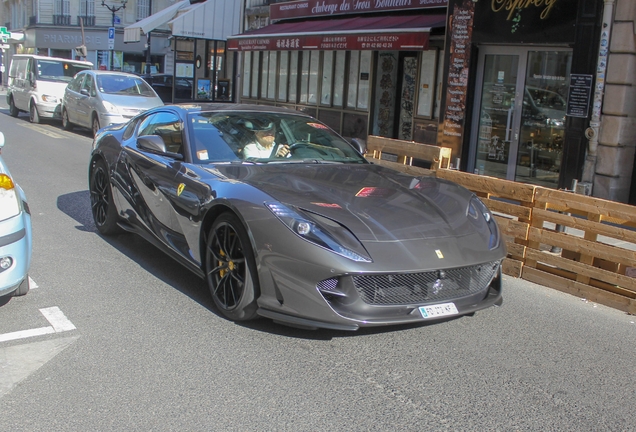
(593, 256)
(406, 151)
(510, 202)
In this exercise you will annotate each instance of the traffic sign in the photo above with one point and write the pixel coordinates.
(111, 38)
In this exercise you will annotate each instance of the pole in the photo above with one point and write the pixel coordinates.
(148, 58)
(112, 52)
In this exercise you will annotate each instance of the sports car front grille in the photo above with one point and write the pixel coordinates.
(413, 288)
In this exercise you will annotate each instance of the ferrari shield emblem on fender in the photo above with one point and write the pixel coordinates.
(439, 253)
(180, 188)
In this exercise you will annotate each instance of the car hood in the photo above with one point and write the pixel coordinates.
(132, 103)
(375, 203)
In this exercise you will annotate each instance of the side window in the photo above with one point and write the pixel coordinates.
(166, 125)
(130, 129)
(22, 69)
(76, 83)
(89, 85)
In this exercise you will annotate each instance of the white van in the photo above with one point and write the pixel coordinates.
(36, 84)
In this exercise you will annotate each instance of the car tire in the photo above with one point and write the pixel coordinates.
(23, 288)
(230, 269)
(66, 124)
(34, 115)
(95, 125)
(102, 204)
(13, 110)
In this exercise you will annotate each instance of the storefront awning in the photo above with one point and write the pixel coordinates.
(133, 32)
(213, 19)
(403, 32)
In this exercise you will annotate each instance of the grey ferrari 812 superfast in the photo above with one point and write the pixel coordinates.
(285, 219)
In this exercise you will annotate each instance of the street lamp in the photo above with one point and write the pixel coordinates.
(114, 9)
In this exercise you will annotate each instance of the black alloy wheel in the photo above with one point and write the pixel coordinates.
(230, 269)
(102, 205)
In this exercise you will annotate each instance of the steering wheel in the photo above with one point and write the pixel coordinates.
(307, 145)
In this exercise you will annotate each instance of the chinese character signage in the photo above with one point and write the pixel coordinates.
(414, 41)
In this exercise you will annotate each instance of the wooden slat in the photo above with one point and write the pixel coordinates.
(582, 246)
(512, 227)
(492, 185)
(516, 250)
(508, 208)
(512, 267)
(626, 282)
(586, 225)
(597, 295)
(408, 169)
(412, 149)
(585, 204)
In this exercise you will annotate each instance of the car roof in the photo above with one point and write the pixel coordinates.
(103, 72)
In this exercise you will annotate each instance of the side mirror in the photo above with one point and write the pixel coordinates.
(359, 145)
(155, 144)
(84, 92)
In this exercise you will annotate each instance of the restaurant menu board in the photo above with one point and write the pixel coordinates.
(460, 25)
(579, 95)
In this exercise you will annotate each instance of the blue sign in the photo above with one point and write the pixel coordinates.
(111, 33)
(117, 20)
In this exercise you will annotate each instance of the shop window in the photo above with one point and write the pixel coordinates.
(255, 68)
(271, 75)
(304, 77)
(247, 73)
(264, 74)
(354, 69)
(339, 76)
(283, 69)
(359, 75)
(427, 82)
(314, 61)
(327, 77)
(293, 77)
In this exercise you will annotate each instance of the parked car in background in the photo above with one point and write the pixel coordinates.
(163, 83)
(285, 219)
(95, 99)
(15, 234)
(36, 84)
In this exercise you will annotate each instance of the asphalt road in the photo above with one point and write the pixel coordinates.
(131, 341)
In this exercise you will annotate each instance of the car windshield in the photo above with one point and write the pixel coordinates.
(232, 136)
(56, 70)
(124, 85)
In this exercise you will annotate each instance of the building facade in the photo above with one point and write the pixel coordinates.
(536, 92)
(54, 28)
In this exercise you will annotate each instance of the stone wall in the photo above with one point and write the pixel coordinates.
(617, 139)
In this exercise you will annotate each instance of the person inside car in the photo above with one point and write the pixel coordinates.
(265, 141)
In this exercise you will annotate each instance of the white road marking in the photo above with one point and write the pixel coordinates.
(57, 319)
(32, 284)
(59, 323)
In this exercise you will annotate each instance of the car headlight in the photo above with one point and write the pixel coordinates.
(320, 231)
(49, 98)
(9, 202)
(476, 209)
(110, 108)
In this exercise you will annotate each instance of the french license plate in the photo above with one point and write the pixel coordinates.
(438, 310)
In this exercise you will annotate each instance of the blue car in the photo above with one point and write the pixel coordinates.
(15, 234)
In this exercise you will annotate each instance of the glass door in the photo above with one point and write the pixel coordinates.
(497, 115)
(519, 123)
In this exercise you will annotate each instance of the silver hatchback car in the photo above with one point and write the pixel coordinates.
(95, 99)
